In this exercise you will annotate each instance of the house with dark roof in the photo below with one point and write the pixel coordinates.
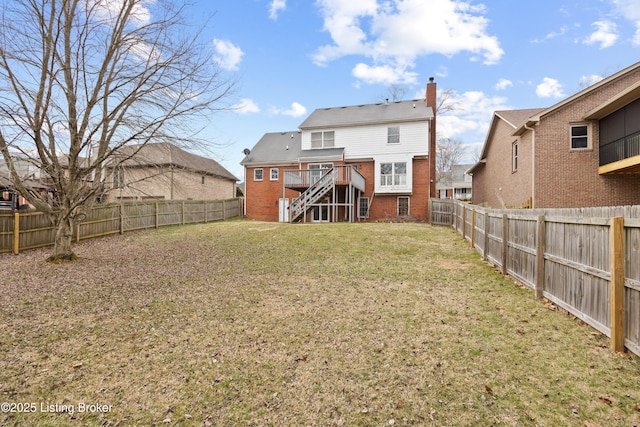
(352, 163)
(163, 171)
(581, 152)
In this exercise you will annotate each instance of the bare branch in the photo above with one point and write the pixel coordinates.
(82, 79)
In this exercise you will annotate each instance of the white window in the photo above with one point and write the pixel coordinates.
(323, 139)
(514, 156)
(363, 207)
(257, 174)
(393, 135)
(118, 178)
(273, 174)
(580, 138)
(403, 206)
(393, 174)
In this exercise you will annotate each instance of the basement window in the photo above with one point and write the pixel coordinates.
(363, 207)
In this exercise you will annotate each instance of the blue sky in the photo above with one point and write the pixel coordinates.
(293, 56)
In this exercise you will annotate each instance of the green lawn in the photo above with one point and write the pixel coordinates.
(245, 323)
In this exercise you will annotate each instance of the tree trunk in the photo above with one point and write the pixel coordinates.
(64, 236)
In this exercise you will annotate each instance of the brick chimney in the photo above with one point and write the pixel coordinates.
(431, 102)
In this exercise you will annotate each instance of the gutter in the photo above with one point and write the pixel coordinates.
(533, 164)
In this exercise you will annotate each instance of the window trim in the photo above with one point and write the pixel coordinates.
(255, 174)
(360, 207)
(408, 198)
(395, 135)
(514, 156)
(323, 139)
(572, 137)
(277, 173)
(393, 175)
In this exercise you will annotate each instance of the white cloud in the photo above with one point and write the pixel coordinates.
(228, 56)
(276, 7)
(296, 110)
(472, 115)
(552, 35)
(503, 84)
(586, 81)
(110, 10)
(630, 9)
(246, 106)
(549, 88)
(442, 71)
(384, 74)
(606, 34)
(394, 33)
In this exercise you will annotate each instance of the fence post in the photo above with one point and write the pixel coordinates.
(505, 242)
(539, 285)
(157, 214)
(16, 233)
(224, 210)
(487, 222)
(616, 247)
(473, 228)
(464, 222)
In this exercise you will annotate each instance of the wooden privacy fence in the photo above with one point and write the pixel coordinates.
(586, 261)
(20, 231)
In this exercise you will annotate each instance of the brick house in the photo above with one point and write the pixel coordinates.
(163, 171)
(582, 152)
(354, 163)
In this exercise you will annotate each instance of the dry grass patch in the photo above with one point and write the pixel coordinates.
(246, 323)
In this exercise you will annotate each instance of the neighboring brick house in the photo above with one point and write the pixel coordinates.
(364, 162)
(163, 171)
(456, 183)
(582, 152)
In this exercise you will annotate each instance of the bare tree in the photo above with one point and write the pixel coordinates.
(448, 101)
(395, 93)
(449, 152)
(81, 79)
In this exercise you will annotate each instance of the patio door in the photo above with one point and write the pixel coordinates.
(317, 170)
(320, 213)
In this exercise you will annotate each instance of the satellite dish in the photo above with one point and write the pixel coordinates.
(246, 151)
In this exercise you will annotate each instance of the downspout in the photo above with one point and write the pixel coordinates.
(533, 164)
(244, 201)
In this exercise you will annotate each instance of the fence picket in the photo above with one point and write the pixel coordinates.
(20, 231)
(566, 255)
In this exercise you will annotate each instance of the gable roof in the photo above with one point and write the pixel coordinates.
(514, 118)
(275, 148)
(166, 154)
(624, 96)
(355, 115)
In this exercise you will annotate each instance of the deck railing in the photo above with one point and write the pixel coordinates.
(304, 178)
